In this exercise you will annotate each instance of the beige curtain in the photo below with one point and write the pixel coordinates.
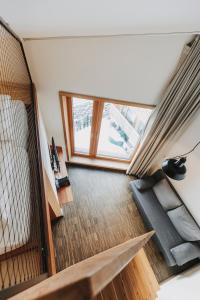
(179, 105)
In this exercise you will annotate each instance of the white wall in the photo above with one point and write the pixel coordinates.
(186, 285)
(133, 68)
(182, 287)
(45, 154)
(88, 17)
(189, 188)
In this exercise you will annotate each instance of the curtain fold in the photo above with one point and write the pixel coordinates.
(178, 107)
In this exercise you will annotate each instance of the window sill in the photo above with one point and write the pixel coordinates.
(99, 163)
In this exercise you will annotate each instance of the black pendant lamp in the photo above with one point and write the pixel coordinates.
(175, 167)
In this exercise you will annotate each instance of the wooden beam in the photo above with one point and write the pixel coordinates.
(137, 281)
(66, 130)
(139, 278)
(21, 286)
(70, 127)
(86, 279)
(31, 245)
(51, 263)
(99, 163)
(116, 101)
(96, 126)
(17, 91)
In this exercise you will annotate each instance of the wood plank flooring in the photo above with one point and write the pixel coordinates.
(101, 216)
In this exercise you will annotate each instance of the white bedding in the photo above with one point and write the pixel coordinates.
(13, 121)
(14, 175)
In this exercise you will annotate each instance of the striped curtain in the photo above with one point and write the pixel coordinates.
(178, 107)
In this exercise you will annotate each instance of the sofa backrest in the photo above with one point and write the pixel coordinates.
(167, 197)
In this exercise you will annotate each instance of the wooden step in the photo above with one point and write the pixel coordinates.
(97, 274)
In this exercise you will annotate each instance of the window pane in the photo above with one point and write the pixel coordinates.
(121, 128)
(82, 121)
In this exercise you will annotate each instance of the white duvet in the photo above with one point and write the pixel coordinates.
(14, 175)
(13, 121)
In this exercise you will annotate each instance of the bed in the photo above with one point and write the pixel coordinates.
(15, 204)
(27, 199)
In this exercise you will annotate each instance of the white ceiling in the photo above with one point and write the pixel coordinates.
(49, 18)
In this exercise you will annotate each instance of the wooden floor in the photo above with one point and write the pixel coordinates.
(101, 216)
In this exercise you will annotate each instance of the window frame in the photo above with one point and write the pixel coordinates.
(98, 106)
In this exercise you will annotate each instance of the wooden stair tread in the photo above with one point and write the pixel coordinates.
(95, 277)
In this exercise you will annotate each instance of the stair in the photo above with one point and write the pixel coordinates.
(122, 272)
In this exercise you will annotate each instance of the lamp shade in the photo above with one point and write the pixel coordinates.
(175, 168)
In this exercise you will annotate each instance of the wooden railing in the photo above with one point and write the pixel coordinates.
(86, 279)
(16, 91)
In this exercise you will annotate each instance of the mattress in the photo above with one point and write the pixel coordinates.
(15, 204)
(13, 121)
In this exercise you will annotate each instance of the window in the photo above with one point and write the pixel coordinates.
(82, 120)
(102, 128)
(120, 131)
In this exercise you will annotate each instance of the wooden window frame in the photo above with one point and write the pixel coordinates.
(98, 106)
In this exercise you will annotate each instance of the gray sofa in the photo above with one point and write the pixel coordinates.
(177, 233)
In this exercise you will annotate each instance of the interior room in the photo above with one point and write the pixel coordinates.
(99, 150)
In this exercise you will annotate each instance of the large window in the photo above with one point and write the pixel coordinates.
(120, 130)
(105, 129)
(82, 110)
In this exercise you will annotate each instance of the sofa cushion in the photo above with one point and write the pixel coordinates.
(166, 195)
(156, 218)
(184, 224)
(144, 184)
(185, 252)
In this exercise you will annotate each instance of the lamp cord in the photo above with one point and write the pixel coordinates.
(185, 154)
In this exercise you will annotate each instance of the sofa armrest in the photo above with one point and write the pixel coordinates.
(144, 183)
(158, 175)
(185, 252)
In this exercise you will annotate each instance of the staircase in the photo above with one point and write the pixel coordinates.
(120, 273)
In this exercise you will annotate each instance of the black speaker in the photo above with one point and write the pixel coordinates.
(60, 182)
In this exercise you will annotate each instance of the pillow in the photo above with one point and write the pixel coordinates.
(184, 224)
(144, 184)
(185, 252)
(13, 121)
(166, 195)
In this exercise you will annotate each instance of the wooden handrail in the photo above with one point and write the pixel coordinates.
(87, 278)
(17, 91)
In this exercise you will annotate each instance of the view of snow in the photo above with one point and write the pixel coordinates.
(121, 127)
